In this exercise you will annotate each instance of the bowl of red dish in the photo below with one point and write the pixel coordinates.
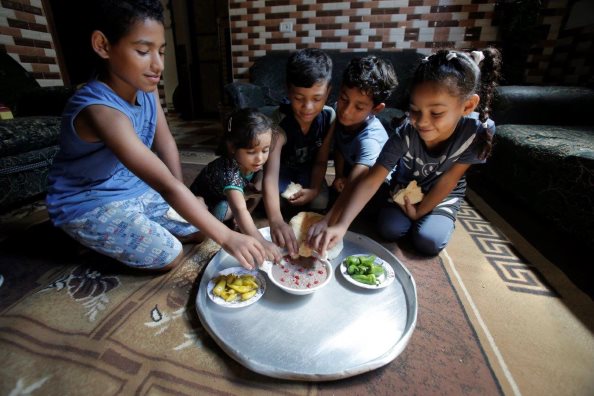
(300, 276)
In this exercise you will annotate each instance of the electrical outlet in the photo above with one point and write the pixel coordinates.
(286, 27)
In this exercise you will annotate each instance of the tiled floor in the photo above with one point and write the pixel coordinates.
(196, 139)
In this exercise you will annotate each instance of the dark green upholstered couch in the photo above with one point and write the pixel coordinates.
(543, 154)
(267, 86)
(29, 141)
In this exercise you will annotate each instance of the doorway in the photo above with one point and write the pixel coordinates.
(72, 41)
(203, 53)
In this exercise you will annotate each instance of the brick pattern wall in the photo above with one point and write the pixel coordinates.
(558, 57)
(572, 62)
(357, 25)
(24, 35)
(561, 56)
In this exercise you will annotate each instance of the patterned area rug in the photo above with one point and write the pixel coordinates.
(73, 320)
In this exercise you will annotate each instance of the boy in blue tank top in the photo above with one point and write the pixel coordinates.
(118, 174)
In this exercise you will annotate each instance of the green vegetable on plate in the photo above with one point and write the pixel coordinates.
(363, 269)
(367, 279)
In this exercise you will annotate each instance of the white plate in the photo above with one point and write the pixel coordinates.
(384, 280)
(260, 280)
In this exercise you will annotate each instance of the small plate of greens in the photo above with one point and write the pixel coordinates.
(367, 271)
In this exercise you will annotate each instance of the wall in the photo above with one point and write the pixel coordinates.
(564, 55)
(560, 53)
(356, 26)
(25, 35)
(169, 80)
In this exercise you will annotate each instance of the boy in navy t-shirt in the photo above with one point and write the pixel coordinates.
(300, 155)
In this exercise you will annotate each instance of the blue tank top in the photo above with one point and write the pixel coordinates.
(87, 175)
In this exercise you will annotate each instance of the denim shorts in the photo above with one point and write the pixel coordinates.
(136, 232)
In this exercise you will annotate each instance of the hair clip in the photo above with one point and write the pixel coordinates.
(229, 124)
(425, 59)
(477, 56)
(450, 56)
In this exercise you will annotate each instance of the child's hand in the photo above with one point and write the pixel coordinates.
(246, 249)
(409, 209)
(315, 230)
(303, 196)
(273, 252)
(282, 234)
(327, 239)
(339, 183)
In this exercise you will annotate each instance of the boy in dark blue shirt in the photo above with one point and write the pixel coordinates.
(300, 154)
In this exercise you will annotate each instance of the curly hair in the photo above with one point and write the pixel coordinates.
(114, 18)
(372, 75)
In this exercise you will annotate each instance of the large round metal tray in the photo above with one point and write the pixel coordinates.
(337, 332)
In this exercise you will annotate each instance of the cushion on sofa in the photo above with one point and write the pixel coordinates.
(550, 168)
(543, 105)
(269, 73)
(24, 176)
(28, 146)
(20, 135)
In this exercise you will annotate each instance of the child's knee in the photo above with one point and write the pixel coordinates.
(392, 223)
(427, 246)
(390, 231)
(429, 243)
(432, 234)
(168, 267)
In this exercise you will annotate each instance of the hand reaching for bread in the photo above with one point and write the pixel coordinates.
(302, 223)
(273, 252)
(282, 234)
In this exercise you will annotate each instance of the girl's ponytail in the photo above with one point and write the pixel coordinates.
(490, 75)
(490, 67)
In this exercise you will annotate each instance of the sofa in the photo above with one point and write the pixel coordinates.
(28, 141)
(543, 155)
(267, 82)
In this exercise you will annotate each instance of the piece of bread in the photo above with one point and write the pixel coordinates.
(292, 188)
(412, 191)
(173, 215)
(300, 224)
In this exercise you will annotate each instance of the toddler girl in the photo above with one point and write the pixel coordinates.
(236, 176)
(439, 141)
